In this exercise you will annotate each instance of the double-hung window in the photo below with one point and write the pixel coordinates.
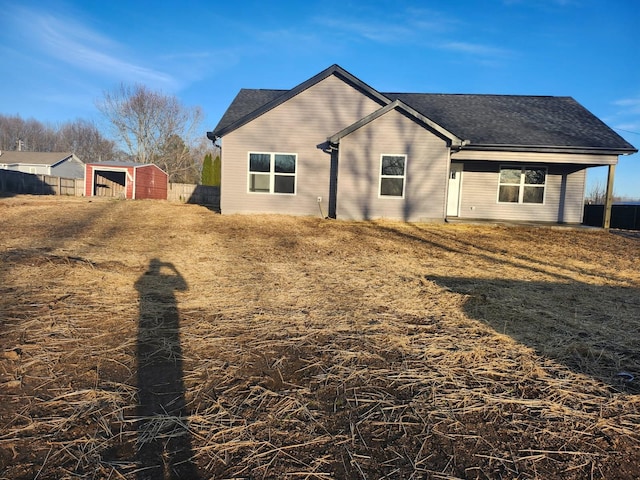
(392, 175)
(272, 172)
(522, 184)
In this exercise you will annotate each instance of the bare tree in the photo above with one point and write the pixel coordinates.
(596, 195)
(177, 159)
(147, 124)
(29, 135)
(85, 140)
(80, 137)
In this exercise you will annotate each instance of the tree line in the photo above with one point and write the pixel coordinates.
(79, 136)
(143, 126)
(597, 195)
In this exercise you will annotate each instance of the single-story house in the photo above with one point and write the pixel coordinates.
(56, 164)
(127, 180)
(335, 144)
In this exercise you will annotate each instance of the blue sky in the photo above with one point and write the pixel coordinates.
(58, 57)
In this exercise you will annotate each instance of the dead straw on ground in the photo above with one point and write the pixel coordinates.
(318, 349)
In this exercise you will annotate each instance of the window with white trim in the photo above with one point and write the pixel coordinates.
(522, 184)
(272, 172)
(392, 175)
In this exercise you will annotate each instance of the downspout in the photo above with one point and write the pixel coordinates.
(214, 140)
(332, 204)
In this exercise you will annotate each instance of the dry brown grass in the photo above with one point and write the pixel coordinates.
(313, 349)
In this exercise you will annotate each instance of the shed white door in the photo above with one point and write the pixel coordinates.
(453, 197)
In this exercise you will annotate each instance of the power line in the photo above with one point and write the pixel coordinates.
(626, 131)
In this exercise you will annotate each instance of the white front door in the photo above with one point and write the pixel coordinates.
(453, 197)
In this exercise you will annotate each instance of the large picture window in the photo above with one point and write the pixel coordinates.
(392, 175)
(522, 184)
(272, 173)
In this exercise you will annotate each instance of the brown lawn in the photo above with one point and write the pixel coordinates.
(154, 340)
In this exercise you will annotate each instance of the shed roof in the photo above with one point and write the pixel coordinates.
(119, 164)
(483, 121)
(115, 163)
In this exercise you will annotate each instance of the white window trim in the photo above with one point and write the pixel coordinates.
(403, 177)
(521, 185)
(272, 173)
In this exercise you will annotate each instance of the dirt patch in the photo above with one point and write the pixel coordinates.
(144, 338)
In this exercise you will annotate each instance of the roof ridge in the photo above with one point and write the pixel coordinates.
(520, 95)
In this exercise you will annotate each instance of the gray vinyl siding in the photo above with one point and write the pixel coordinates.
(427, 161)
(301, 126)
(32, 168)
(70, 169)
(563, 196)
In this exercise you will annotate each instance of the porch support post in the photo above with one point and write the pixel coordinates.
(609, 199)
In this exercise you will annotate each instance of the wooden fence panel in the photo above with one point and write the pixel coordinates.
(51, 184)
(27, 183)
(198, 194)
(68, 186)
(31, 184)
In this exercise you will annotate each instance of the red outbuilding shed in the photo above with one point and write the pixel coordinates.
(125, 180)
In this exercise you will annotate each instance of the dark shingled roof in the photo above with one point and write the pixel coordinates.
(246, 102)
(516, 120)
(491, 121)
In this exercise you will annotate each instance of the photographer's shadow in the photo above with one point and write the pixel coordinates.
(164, 441)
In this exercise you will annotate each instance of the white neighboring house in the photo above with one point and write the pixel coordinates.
(57, 164)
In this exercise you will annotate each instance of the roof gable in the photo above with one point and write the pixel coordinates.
(250, 104)
(407, 110)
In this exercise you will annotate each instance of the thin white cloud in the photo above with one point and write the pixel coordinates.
(372, 30)
(67, 40)
(629, 105)
(396, 27)
(291, 37)
(626, 118)
(543, 3)
(475, 49)
(187, 56)
(414, 26)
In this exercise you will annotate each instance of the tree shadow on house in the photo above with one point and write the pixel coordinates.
(591, 329)
(164, 441)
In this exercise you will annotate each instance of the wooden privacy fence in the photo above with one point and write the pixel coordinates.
(198, 194)
(626, 217)
(31, 184)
